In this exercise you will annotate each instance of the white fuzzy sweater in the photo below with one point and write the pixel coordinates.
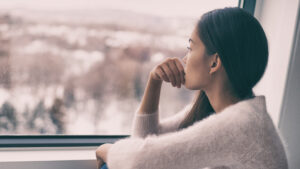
(242, 136)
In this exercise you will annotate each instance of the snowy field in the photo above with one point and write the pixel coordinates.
(71, 70)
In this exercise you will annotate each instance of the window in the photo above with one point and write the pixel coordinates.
(80, 67)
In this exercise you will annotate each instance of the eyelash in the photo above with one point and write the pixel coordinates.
(189, 48)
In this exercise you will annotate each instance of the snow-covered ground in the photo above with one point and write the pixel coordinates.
(66, 77)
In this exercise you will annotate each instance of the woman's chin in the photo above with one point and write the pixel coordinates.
(186, 85)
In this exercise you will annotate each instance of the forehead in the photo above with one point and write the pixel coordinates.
(195, 37)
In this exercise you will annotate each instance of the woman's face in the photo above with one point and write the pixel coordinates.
(196, 64)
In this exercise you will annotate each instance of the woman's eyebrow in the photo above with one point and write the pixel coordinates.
(190, 40)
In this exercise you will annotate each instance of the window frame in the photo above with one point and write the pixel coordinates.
(57, 140)
(248, 5)
(79, 140)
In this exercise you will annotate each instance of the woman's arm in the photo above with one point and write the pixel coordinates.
(147, 118)
(171, 124)
(145, 124)
(151, 96)
(215, 141)
(170, 70)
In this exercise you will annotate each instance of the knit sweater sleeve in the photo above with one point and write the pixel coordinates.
(145, 124)
(213, 141)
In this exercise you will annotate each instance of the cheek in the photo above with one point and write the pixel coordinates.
(196, 74)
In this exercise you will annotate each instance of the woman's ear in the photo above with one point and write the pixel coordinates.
(215, 63)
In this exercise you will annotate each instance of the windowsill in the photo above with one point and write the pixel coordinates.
(47, 154)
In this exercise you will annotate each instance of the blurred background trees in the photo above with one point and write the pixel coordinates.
(60, 77)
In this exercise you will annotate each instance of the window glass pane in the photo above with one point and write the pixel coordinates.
(80, 67)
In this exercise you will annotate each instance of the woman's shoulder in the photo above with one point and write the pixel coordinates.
(251, 116)
(248, 115)
(254, 107)
(262, 130)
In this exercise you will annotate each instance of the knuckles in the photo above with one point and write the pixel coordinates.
(171, 59)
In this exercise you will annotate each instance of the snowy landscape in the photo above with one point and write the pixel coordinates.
(80, 67)
(83, 77)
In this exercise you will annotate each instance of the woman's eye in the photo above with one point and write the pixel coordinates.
(189, 48)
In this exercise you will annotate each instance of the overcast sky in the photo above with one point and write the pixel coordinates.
(189, 8)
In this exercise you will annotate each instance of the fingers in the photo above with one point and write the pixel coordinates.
(169, 73)
(171, 70)
(181, 70)
(175, 72)
(162, 74)
(100, 162)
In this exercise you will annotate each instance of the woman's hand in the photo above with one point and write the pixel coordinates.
(100, 162)
(101, 154)
(171, 70)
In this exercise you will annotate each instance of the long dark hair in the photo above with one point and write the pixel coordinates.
(242, 45)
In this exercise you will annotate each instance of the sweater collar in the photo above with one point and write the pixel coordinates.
(257, 102)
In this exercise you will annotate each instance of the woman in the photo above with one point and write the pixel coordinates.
(226, 126)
